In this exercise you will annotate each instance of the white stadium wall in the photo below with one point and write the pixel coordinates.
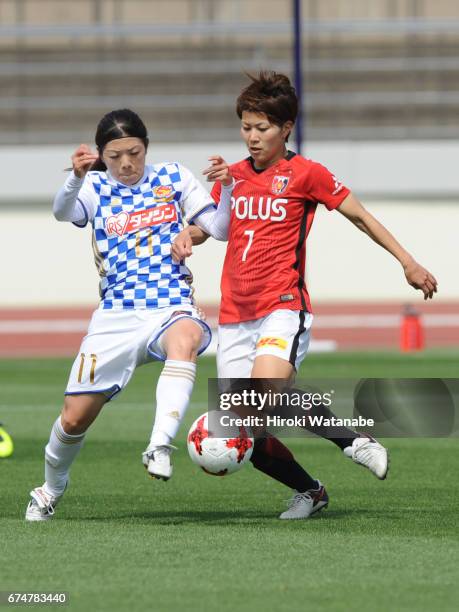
(409, 187)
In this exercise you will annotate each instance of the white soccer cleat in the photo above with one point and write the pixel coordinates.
(371, 454)
(157, 461)
(303, 505)
(41, 506)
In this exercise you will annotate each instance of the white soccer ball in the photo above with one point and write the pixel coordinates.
(219, 456)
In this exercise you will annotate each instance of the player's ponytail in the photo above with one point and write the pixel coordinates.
(99, 165)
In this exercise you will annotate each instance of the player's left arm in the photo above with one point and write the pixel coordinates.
(416, 275)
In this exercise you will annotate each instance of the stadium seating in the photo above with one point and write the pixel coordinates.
(181, 62)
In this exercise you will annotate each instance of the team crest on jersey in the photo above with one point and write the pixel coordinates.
(163, 193)
(279, 184)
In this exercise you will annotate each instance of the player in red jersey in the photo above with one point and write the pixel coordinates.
(273, 211)
(265, 313)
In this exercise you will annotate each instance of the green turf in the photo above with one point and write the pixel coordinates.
(120, 541)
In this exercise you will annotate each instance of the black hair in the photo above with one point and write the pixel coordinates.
(122, 123)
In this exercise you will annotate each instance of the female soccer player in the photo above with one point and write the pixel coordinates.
(265, 312)
(146, 310)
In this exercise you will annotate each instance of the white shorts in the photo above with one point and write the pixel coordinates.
(120, 340)
(282, 333)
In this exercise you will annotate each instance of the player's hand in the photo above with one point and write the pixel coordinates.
(82, 160)
(182, 247)
(219, 170)
(201, 313)
(420, 278)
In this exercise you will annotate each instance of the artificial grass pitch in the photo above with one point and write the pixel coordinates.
(120, 541)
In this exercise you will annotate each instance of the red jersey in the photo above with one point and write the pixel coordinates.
(271, 214)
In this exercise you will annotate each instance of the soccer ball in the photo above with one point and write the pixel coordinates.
(6, 443)
(219, 456)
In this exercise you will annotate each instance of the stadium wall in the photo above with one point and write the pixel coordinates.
(48, 263)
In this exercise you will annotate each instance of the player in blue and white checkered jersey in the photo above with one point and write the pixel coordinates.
(133, 230)
(146, 310)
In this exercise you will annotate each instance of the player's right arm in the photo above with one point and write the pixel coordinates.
(73, 201)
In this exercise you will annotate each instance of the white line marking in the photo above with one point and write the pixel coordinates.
(43, 326)
(39, 326)
(382, 321)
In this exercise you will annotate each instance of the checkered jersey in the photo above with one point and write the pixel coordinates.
(133, 229)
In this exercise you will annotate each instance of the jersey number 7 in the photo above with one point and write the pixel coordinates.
(250, 234)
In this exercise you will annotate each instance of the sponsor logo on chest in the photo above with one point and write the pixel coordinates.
(259, 207)
(124, 222)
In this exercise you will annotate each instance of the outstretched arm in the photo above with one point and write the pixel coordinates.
(416, 275)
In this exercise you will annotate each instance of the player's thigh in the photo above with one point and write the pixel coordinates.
(282, 343)
(236, 349)
(179, 334)
(80, 411)
(269, 366)
(182, 340)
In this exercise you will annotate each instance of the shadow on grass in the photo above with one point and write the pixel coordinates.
(196, 516)
(89, 513)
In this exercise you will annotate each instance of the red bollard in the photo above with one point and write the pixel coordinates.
(411, 331)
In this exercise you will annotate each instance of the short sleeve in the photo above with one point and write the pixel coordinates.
(216, 191)
(322, 186)
(195, 198)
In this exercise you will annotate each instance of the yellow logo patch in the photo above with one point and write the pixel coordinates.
(163, 193)
(270, 341)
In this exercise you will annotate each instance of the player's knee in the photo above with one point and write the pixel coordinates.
(77, 415)
(185, 342)
(73, 424)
